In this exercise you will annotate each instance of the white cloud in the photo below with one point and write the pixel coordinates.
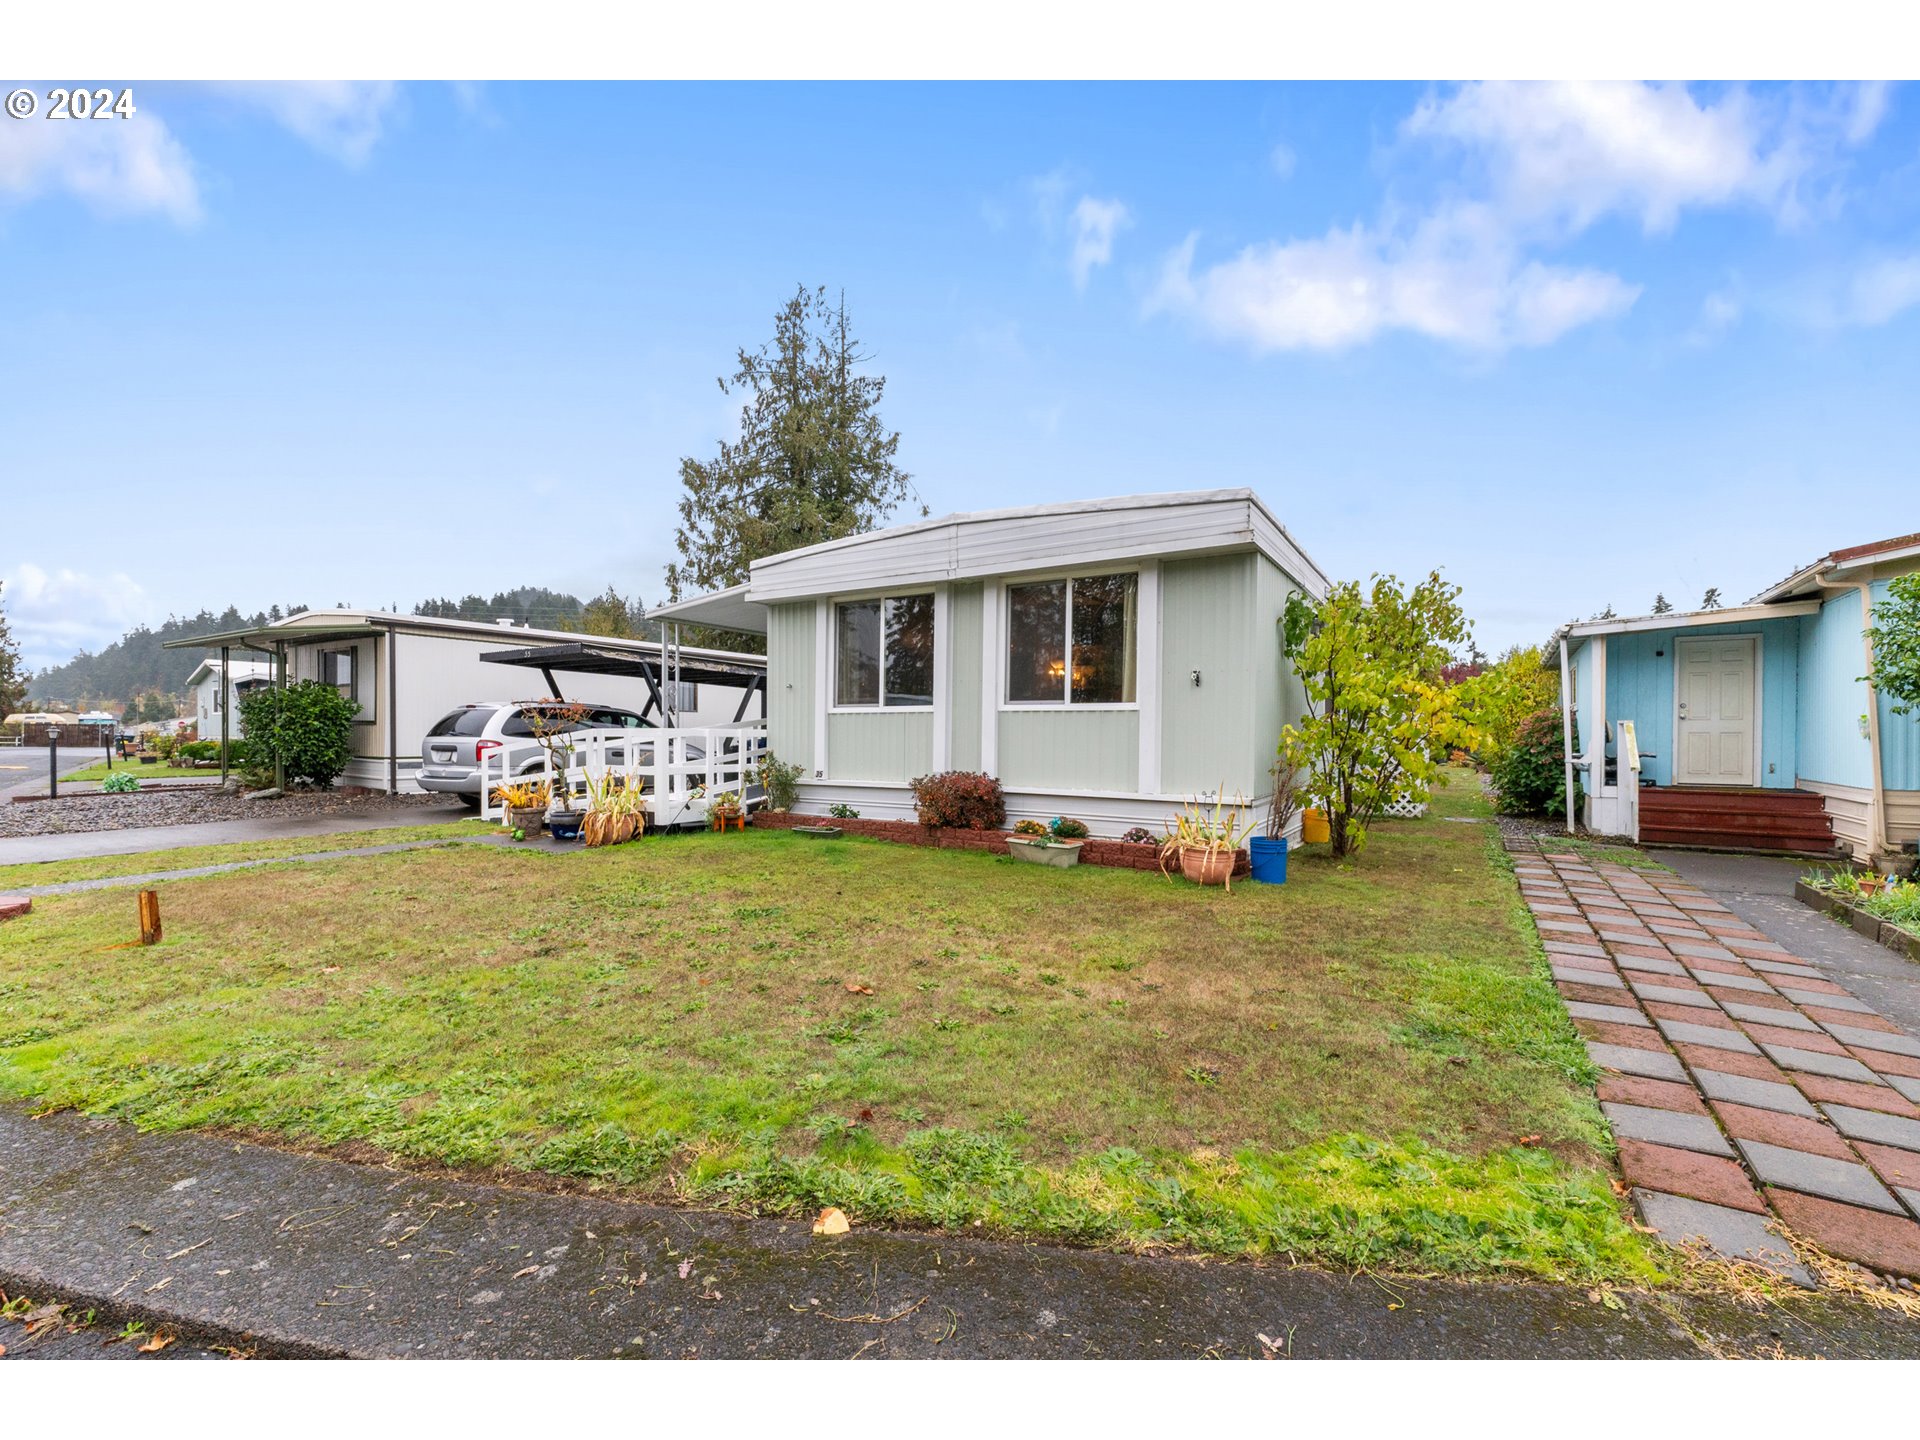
(340, 118)
(1720, 311)
(1095, 222)
(56, 614)
(1542, 164)
(1282, 159)
(118, 168)
(1456, 278)
(1882, 289)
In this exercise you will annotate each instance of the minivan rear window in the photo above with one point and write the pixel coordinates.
(470, 720)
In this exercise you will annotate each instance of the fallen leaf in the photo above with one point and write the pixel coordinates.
(3, 1351)
(686, 1268)
(159, 1340)
(329, 969)
(522, 1274)
(832, 1221)
(1529, 1140)
(854, 987)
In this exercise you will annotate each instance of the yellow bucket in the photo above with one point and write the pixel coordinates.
(1313, 827)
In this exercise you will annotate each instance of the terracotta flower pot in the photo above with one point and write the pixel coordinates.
(1207, 867)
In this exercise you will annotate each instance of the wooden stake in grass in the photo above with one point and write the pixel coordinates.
(149, 917)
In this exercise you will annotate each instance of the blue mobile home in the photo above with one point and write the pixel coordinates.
(1749, 727)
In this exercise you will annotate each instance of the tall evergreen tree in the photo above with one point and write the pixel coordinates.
(13, 675)
(812, 462)
(1711, 600)
(1661, 605)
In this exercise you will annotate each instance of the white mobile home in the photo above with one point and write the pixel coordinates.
(217, 687)
(407, 671)
(1103, 659)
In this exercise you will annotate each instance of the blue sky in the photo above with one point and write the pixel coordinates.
(369, 343)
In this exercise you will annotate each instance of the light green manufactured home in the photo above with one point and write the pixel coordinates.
(1104, 659)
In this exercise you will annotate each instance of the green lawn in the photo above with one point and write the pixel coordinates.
(58, 872)
(159, 770)
(1344, 1069)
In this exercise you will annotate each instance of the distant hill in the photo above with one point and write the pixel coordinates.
(136, 665)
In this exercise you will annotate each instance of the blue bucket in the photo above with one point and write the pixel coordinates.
(1269, 860)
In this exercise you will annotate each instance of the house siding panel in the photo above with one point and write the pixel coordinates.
(790, 683)
(1278, 697)
(1070, 749)
(1640, 673)
(1832, 659)
(963, 620)
(895, 745)
(1208, 624)
(1899, 739)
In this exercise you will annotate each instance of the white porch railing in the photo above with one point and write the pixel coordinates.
(1613, 808)
(677, 770)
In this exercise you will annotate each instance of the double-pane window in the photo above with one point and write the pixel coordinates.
(1073, 642)
(884, 651)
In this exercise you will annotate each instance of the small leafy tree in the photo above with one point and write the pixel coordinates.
(1895, 633)
(307, 729)
(1499, 700)
(1379, 714)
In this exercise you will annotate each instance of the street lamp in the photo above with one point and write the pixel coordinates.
(53, 762)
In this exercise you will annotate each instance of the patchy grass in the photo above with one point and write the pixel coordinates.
(1342, 1069)
(101, 867)
(159, 770)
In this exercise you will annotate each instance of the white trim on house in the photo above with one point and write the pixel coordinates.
(992, 600)
(822, 681)
(942, 678)
(991, 543)
(879, 707)
(1147, 673)
(1107, 813)
(1758, 663)
(1679, 619)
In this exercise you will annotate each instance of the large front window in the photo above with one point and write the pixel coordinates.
(884, 651)
(1072, 642)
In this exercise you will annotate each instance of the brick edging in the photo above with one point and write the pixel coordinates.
(1864, 922)
(1114, 854)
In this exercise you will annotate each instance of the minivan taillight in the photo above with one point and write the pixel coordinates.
(481, 749)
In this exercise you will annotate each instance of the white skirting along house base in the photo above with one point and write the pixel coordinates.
(1108, 816)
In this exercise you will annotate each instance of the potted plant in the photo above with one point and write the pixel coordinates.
(1039, 844)
(526, 804)
(616, 812)
(552, 723)
(724, 809)
(1268, 852)
(1206, 841)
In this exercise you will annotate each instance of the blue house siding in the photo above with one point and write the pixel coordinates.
(1832, 659)
(1580, 663)
(1640, 671)
(1899, 734)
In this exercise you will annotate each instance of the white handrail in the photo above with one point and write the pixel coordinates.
(677, 787)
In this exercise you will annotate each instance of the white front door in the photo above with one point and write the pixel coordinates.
(1715, 727)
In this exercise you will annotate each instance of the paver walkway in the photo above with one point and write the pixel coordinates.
(1741, 1083)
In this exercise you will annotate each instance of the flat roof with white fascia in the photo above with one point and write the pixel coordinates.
(1688, 619)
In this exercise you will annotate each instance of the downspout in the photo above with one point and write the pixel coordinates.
(1880, 845)
(1566, 727)
(1877, 826)
(393, 718)
(226, 706)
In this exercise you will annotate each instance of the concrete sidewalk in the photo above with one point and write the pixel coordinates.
(232, 1243)
(20, 849)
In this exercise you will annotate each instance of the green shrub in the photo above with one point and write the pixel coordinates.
(119, 783)
(1530, 775)
(165, 744)
(198, 751)
(306, 728)
(1065, 829)
(842, 811)
(780, 780)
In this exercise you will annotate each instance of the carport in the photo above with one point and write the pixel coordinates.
(662, 676)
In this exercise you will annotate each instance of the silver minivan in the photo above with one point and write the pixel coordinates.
(451, 751)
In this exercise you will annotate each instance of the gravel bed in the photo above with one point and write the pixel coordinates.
(73, 814)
